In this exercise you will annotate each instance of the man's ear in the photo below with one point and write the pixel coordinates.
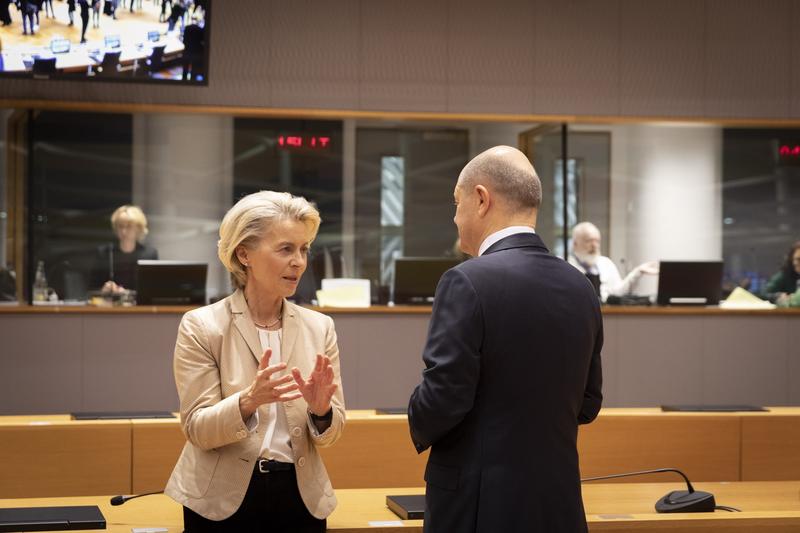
(484, 200)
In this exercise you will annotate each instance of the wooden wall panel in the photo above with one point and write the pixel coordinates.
(402, 69)
(46, 459)
(748, 58)
(662, 58)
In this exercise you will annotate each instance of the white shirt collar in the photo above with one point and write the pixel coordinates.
(502, 234)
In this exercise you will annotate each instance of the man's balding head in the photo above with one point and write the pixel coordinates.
(506, 172)
(497, 189)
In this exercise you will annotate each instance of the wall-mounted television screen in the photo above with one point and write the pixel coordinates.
(109, 40)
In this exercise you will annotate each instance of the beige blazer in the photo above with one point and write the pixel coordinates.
(216, 356)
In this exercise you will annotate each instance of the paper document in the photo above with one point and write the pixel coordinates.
(344, 292)
(742, 299)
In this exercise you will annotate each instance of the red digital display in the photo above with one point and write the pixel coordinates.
(314, 142)
(787, 150)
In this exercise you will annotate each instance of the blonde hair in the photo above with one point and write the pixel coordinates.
(133, 214)
(250, 219)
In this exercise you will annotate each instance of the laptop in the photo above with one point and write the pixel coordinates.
(120, 415)
(51, 518)
(416, 278)
(732, 408)
(171, 282)
(112, 41)
(60, 46)
(689, 283)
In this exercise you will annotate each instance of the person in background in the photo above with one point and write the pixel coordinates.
(601, 271)
(254, 426)
(28, 10)
(163, 16)
(178, 10)
(194, 51)
(96, 13)
(784, 287)
(84, 18)
(71, 11)
(5, 13)
(115, 263)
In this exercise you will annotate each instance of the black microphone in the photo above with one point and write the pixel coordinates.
(119, 500)
(111, 261)
(677, 501)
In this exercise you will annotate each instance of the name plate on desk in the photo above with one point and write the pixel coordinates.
(51, 518)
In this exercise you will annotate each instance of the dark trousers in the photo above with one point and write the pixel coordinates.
(272, 504)
(84, 24)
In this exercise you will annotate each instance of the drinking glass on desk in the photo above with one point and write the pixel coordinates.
(127, 298)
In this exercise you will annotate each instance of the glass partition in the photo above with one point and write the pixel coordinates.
(655, 191)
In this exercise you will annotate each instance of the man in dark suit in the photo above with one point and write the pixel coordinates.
(512, 366)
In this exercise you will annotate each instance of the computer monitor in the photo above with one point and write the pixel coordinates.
(689, 282)
(415, 278)
(153, 36)
(59, 46)
(112, 41)
(171, 282)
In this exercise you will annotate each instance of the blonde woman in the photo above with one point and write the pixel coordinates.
(115, 263)
(259, 384)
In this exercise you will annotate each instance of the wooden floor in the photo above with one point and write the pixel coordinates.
(129, 26)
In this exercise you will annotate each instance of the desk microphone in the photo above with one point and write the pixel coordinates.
(119, 500)
(677, 501)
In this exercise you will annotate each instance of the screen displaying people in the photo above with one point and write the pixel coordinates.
(115, 263)
(587, 257)
(259, 383)
(47, 39)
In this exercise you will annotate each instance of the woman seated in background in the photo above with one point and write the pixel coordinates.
(252, 425)
(115, 263)
(784, 287)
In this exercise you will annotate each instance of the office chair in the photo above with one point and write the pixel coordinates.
(109, 67)
(155, 62)
(43, 68)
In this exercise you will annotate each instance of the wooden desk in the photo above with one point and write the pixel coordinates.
(771, 445)
(375, 450)
(54, 455)
(770, 507)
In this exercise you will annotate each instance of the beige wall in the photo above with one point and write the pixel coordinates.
(692, 58)
(112, 361)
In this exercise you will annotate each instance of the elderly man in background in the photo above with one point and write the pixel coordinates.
(601, 270)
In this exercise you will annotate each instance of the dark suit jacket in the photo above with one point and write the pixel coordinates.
(512, 367)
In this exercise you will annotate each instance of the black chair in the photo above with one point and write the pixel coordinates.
(109, 67)
(43, 68)
(155, 62)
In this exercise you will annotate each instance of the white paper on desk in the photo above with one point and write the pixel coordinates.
(743, 299)
(344, 292)
(385, 523)
(149, 530)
